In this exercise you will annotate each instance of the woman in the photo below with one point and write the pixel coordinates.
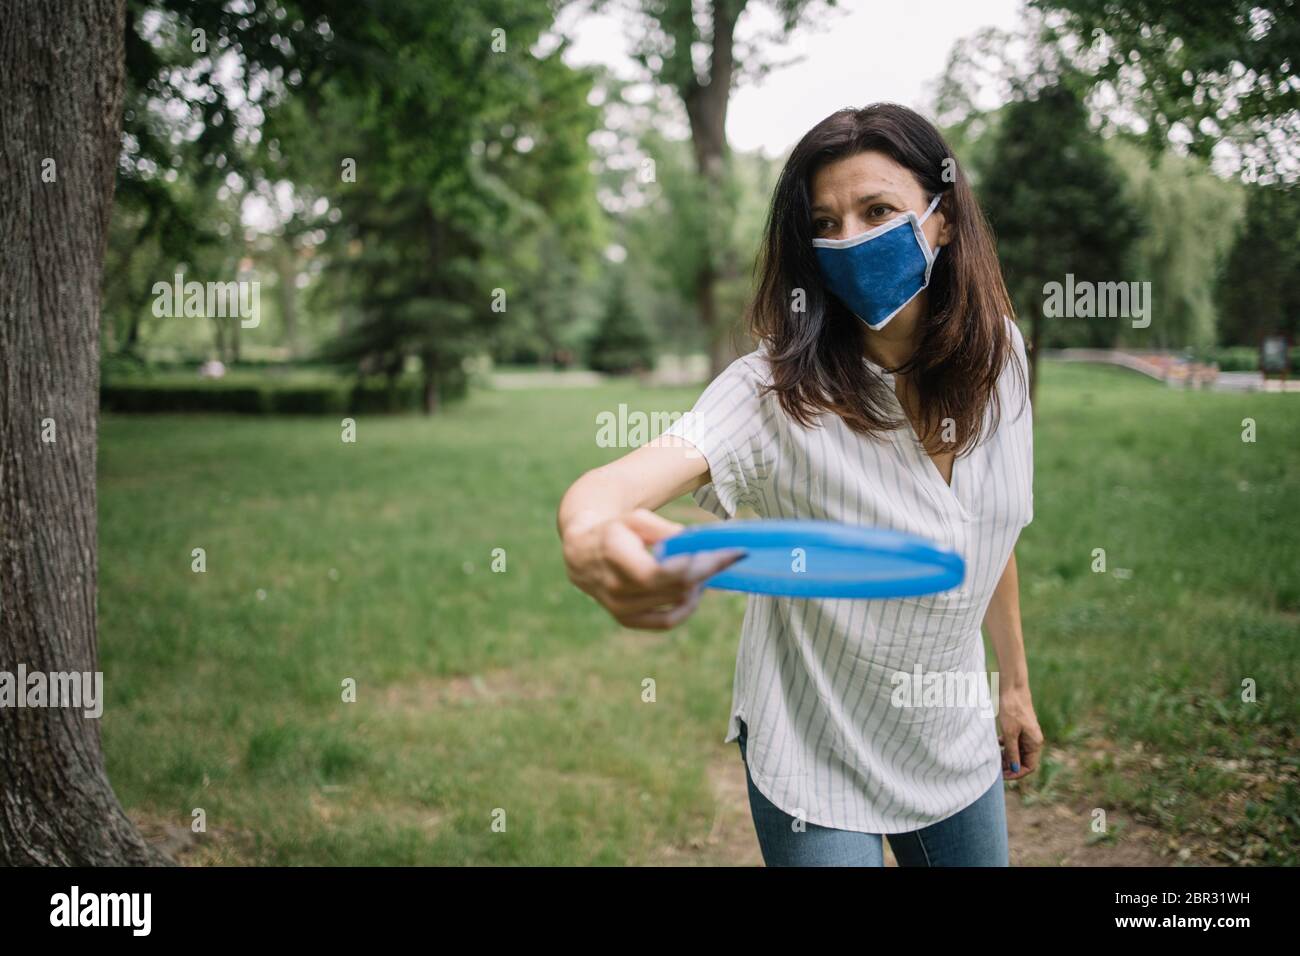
(888, 390)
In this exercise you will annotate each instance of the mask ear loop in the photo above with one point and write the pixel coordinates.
(933, 253)
(933, 202)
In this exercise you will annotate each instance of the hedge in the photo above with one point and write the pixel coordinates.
(271, 397)
(1242, 358)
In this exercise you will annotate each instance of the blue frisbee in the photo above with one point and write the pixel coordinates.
(821, 559)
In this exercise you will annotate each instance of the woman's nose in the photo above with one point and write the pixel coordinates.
(850, 227)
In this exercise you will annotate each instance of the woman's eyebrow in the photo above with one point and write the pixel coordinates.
(873, 197)
(862, 200)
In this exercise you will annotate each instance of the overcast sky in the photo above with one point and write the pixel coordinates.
(863, 52)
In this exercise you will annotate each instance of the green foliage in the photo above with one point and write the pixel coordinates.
(685, 222)
(622, 343)
(472, 201)
(1188, 215)
(1189, 218)
(157, 397)
(555, 307)
(190, 134)
(692, 50)
(472, 185)
(1214, 69)
(1058, 205)
(263, 395)
(1259, 289)
(1240, 358)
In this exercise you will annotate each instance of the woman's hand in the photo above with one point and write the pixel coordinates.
(1021, 739)
(608, 559)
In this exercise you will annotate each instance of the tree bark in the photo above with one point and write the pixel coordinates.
(233, 324)
(286, 267)
(706, 108)
(219, 339)
(431, 403)
(61, 83)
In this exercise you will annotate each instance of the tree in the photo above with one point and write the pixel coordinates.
(437, 232)
(1212, 71)
(667, 232)
(1257, 290)
(61, 82)
(691, 48)
(201, 78)
(1058, 207)
(621, 343)
(1190, 217)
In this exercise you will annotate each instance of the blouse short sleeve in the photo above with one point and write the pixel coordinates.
(730, 425)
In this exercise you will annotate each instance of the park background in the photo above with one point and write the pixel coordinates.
(473, 243)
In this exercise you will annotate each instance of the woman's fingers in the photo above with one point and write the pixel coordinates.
(627, 558)
(640, 601)
(665, 618)
(1021, 747)
(681, 576)
(641, 591)
(1029, 752)
(637, 570)
(699, 567)
(1011, 766)
(650, 526)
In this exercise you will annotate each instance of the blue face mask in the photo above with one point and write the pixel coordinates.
(878, 272)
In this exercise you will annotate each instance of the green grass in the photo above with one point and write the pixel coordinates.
(480, 692)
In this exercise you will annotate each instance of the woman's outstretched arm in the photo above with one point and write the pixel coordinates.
(607, 518)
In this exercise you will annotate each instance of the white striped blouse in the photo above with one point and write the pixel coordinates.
(823, 685)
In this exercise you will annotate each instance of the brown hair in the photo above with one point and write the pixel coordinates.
(817, 354)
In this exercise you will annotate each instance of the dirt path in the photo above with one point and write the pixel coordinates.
(1041, 834)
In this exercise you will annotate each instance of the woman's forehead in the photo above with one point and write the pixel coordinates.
(863, 174)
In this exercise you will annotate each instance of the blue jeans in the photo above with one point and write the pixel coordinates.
(975, 836)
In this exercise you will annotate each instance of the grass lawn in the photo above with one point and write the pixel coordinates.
(483, 693)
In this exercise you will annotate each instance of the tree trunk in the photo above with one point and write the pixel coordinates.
(131, 345)
(219, 338)
(61, 79)
(138, 305)
(430, 387)
(706, 306)
(706, 108)
(286, 267)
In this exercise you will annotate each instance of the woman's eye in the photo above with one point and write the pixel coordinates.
(822, 225)
(878, 212)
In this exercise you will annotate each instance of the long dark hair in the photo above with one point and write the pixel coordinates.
(817, 353)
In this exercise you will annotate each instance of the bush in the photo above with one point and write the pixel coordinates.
(145, 396)
(307, 400)
(245, 394)
(1241, 358)
(377, 396)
